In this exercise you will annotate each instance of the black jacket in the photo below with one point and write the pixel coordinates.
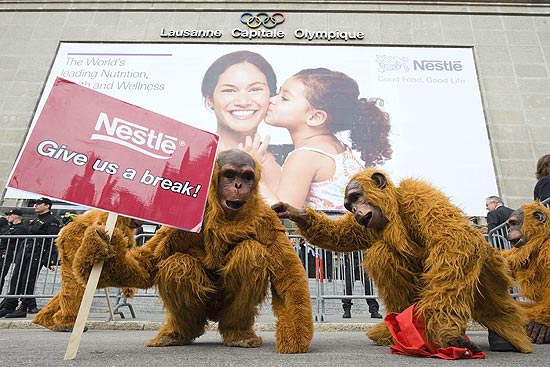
(498, 216)
(44, 250)
(11, 230)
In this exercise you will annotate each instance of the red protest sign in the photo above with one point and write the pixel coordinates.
(95, 150)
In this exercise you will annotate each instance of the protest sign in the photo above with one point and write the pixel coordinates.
(91, 149)
(95, 150)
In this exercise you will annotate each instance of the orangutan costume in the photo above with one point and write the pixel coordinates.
(529, 263)
(419, 249)
(60, 312)
(222, 273)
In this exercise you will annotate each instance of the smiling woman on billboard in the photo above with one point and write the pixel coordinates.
(237, 87)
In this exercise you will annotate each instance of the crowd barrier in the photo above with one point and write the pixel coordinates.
(332, 275)
(327, 273)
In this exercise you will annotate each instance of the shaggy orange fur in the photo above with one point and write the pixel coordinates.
(221, 274)
(530, 264)
(60, 312)
(427, 254)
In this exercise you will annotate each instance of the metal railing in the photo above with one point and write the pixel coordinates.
(331, 275)
(327, 273)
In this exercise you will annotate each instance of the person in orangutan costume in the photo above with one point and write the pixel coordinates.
(420, 250)
(222, 273)
(529, 263)
(61, 311)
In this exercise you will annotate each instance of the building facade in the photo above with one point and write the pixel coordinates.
(509, 41)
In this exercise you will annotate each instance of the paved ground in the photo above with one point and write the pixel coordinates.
(120, 348)
(337, 342)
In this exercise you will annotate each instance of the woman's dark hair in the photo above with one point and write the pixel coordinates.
(211, 76)
(338, 95)
(543, 167)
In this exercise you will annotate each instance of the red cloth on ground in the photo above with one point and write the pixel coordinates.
(409, 338)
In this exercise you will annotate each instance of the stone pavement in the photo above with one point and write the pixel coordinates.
(125, 348)
(153, 320)
(337, 342)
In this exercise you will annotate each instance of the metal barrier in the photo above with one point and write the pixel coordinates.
(498, 237)
(32, 255)
(331, 275)
(326, 272)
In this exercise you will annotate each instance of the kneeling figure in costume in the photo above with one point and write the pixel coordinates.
(61, 311)
(529, 263)
(419, 249)
(222, 273)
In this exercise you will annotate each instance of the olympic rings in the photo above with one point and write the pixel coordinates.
(254, 21)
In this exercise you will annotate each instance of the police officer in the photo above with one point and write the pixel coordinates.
(34, 255)
(15, 227)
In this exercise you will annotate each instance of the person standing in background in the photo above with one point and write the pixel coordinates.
(497, 213)
(30, 259)
(8, 246)
(542, 188)
(349, 276)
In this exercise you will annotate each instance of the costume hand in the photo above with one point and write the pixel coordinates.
(538, 333)
(256, 147)
(128, 292)
(464, 342)
(284, 210)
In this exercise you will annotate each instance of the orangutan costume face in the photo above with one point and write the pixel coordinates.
(236, 179)
(365, 214)
(517, 236)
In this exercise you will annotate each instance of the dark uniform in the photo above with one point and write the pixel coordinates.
(29, 259)
(9, 246)
(348, 291)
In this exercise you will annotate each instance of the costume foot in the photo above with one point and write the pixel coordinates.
(168, 340)
(380, 334)
(244, 340)
(347, 314)
(376, 315)
(66, 329)
(498, 344)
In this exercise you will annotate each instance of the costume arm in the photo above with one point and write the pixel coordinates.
(534, 282)
(341, 234)
(124, 267)
(121, 266)
(540, 311)
(290, 297)
(515, 259)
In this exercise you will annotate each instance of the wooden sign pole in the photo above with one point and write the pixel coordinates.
(84, 310)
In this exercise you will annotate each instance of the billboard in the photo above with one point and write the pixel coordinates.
(431, 98)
